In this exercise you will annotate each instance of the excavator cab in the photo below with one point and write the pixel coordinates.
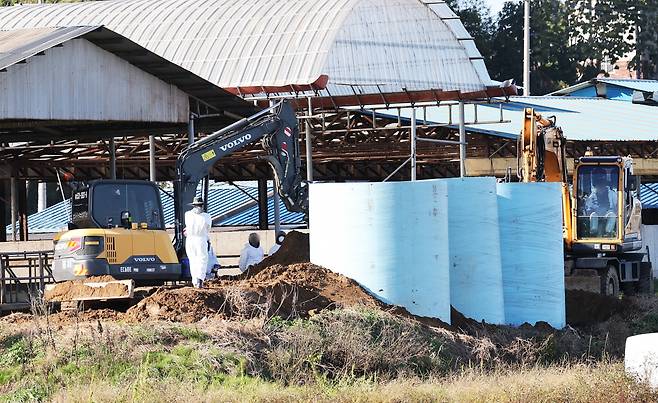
(111, 204)
(597, 202)
(607, 208)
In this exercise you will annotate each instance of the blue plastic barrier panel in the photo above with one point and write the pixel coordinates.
(532, 253)
(392, 238)
(476, 279)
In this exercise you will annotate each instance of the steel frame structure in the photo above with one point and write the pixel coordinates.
(346, 145)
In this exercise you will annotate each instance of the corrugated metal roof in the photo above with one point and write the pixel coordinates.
(222, 200)
(582, 119)
(393, 44)
(649, 195)
(634, 84)
(250, 216)
(50, 220)
(18, 45)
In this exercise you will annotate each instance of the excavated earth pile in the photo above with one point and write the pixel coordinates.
(295, 249)
(586, 308)
(294, 291)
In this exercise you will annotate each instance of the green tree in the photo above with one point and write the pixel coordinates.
(613, 28)
(553, 59)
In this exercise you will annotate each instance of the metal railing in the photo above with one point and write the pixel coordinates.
(23, 274)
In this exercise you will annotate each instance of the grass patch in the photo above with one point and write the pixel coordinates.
(647, 324)
(581, 383)
(192, 334)
(340, 355)
(18, 350)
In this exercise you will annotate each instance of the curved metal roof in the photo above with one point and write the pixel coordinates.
(378, 45)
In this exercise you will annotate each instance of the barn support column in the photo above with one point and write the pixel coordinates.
(42, 196)
(22, 210)
(206, 191)
(5, 207)
(412, 140)
(277, 213)
(14, 207)
(462, 140)
(152, 176)
(262, 204)
(309, 143)
(113, 160)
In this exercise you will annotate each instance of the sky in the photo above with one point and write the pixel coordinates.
(495, 5)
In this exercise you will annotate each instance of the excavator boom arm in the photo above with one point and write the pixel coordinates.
(541, 150)
(277, 128)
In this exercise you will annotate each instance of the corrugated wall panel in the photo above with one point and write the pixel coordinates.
(80, 81)
(252, 43)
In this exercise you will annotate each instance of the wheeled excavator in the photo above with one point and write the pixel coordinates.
(602, 213)
(117, 226)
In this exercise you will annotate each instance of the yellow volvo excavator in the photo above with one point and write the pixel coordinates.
(117, 227)
(601, 210)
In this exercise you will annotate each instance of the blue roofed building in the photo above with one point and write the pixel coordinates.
(229, 206)
(629, 90)
(604, 126)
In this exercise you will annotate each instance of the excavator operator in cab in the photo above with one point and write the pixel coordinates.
(601, 206)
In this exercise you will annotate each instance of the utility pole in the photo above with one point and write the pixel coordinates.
(526, 47)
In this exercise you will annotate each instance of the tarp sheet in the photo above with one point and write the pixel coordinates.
(476, 280)
(493, 251)
(532, 256)
(392, 238)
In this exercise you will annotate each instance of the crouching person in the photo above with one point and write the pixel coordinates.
(252, 253)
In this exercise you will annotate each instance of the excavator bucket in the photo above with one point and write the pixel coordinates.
(89, 290)
(586, 280)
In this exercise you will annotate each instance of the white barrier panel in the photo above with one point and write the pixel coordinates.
(641, 358)
(476, 280)
(532, 252)
(392, 238)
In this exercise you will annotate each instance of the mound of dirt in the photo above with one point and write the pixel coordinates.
(73, 290)
(294, 249)
(586, 308)
(185, 305)
(294, 291)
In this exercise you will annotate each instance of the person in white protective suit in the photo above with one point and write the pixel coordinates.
(197, 228)
(279, 241)
(252, 253)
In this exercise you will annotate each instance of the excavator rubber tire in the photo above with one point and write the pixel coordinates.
(610, 282)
